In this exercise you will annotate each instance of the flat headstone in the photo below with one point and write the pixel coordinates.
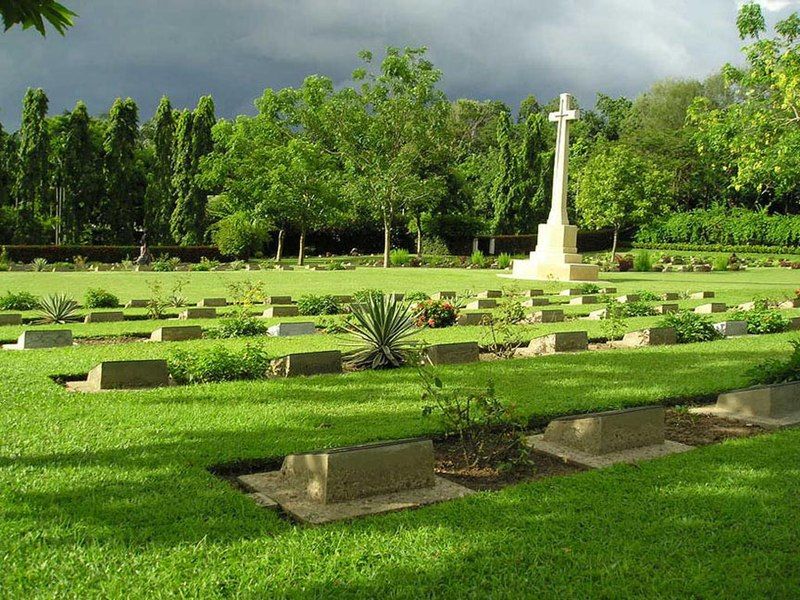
(581, 300)
(791, 303)
(490, 294)
(767, 405)
(137, 303)
(104, 317)
(794, 323)
(598, 315)
(571, 292)
(701, 295)
(42, 338)
(283, 268)
(561, 341)
(292, 329)
(455, 353)
(396, 297)
(653, 336)
(212, 302)
(10, 319)
(712, 307)
(532, 293)
(606, 438)
(628, 298)
(548, 316)
(444, 296)
(309, 363)
(747, 306)
(482, 303)
(664, 309)
(343, 483)
(473, 318)
(731, 328)
(124, 375)
(531, 302)
(177, 334)
(198, 313)
(343, 298)
(608, 290)
(278, 300)
(670, 296)
(281, 311)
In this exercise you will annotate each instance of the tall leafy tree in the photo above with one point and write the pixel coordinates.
(159, 200)
(502, 199)
(123, 209)
(31, 190)
(82, 184)
(6, 167)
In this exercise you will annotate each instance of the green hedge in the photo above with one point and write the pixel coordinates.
(728, 227)
(108, 254)
(719, 248)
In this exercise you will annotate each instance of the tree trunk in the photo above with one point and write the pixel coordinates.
(281, 236)
(418, 219)
(387, 242)
(614, 244)
(301, 254)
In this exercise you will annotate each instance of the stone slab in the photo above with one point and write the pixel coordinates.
(198, 313)
(531, 302)
(455, 353)
(42, 338)
(653, 336)
(471, 319)
(608, 290)
(482, 303)
(343, 298)
(594, 461)
(791, 303)
(747, 306)
(281, 311)
(597, 315)
(490, 294)
(767, 405)
(396, 297)
(278, 300)
(212, 302)
(104, 317)
(794, 323)
(532, 293)
(10, 319)
(670, 296)
(292, 329)
(610, 431)
(561, 341)
(581, 300)
(124, 375)
(664, 309)
(548, 316)
(731, 328)
(309, 363)
(571, 292)
(628, 298)
(712, 307)
(177, 334)
(444, 296)
(701, 295)
(137, 303)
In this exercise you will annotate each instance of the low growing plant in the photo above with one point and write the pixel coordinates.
(239, 324)
(643, 261)
(478, 259)
(18, 301)
(39, 264)
(363, 296)
(589, 288)
(399, 257)
(762, 319)
(504, 260)
(312, 304)
(416, 296)
(614, 325)
(690, 327)
(503, 336)
(775, 370)
(100, 298)
(435, 313)
(56, 309)
(218, 363)
(381, 329)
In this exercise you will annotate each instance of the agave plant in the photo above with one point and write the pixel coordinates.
(39, 264)
(380, 328)
(57, 308)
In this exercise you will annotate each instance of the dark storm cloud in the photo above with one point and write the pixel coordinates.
(233, 49)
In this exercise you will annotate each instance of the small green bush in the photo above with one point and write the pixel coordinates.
(504, 260)
(18, 301)
(218, 363)
(399, 257)
(720, 263)
(762, 319)
(57, 309)
(99, 298)
(434, 246)
(367, 294)
(589, 288)
(312, 304)
(165, 264)
(643, 261)
(647, 296)
(477, 259)
(204, 265)
(774, 370)
(381, 329)
(238, 325)
(690, 327)
(435, 313)
(39, 264)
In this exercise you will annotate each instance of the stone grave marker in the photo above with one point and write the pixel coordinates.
(472, 318)
(608, 290)
(653, 336)
(794, 323)
(561, 341)
(766, 405)
(747, 306)
(212, 302)
(791, 303)
(731, 328)
(531, 302)
(124, 375)
(548, 316)
(490, 294)
(581, 300)
(283, 268)
(455, 353)
(33, 339)
(282, 300)
(713, 307)
(444, 296)
(701, 295)
(571, 292)
(198, 313)
(292, 329)
(670, 296)
(177, 334)
(104, 317)
(482, 303)
(627, 298)
(343, 483)
(137, 303)
(602, 439)
(10, 319)
(281, 311)
(665, 309)
(343, 298)
(308, 363)
(597, 315)
(532, 293)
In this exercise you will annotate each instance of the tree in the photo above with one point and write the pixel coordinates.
(34, 13)
(124, 207)
(502, 200)
(159, 199)
(32, 182)
(7, 166)
(82, 183)
(618, 188)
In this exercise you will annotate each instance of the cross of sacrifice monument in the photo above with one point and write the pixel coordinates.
(556, 255)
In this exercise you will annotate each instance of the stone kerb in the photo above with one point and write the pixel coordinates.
(124, 374)
(292, 329)
(455, 353)
(198, 313)
(42, 338)
(767, 405)
(104, 317)
(177, 334)
(308, 363)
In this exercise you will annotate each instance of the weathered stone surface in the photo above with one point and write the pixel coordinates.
(137, 303)
(281, 311)
(670, 296)
(654, 336)
(664, 309)
(731, 328)
(628, 298)
(482, 303)
(794, 323)
(767, 405)
(283, 268)
(490, 294)
(343, 298)
(747, 306)
(581, 300)
(713, 307)
(125, 374)
(212, 302)
(701, 295)
(104, 317)
(309, 363)
(11, 319)
(571, 292)
(532, 293)
(531, 302)
(282, 300)
(473, 318)
(444, 296)
(292, 329)
(198, 313)
(42, 338)
(562, 341)
(608, 290)
(452, 354)
(548, 316)
(177, 334)
(791, 303)
(598, 315)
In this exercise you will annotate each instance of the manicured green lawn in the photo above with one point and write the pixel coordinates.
(108, 495)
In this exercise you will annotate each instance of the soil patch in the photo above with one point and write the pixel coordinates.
(105, 341)
(703, 430)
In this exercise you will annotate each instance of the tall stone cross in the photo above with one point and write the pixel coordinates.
(558, 210)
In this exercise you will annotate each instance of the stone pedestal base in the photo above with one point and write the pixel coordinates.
(556, 257)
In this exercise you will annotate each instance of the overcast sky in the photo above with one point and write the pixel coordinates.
(233, 49)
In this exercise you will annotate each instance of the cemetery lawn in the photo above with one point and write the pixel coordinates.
(109, 495)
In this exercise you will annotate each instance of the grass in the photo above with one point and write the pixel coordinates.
(108, 495)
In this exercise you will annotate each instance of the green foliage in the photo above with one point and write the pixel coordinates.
(33, 169)
(690, 327)
(100, 298)
(367, 294)
(240, 235)
(720, 263)
(775, 370)
(18, 301)
(80, 172)
(647, 296)
(239, 324)
(435, 313)
(503, 336)
(589, 288)
(399, 257)
(614, 323)
(204, 265)
(434, 246)
(637, 309)
(642, 261)
(415, 296)
(56, 309)
(165, 263)
(34, 13)
(504, 260)
(314, 304)
(160, 196)
(381, 328)
(762, 319)
(478, 259)
(39, 264)
(218, 363)
(121, 177)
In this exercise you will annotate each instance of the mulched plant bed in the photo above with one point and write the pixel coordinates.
(703, 430)
(105, 341)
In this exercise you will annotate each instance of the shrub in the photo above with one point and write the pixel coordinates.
(238, 325)
(311, 304)
(39, 264)
(5, 259)
(240, 236)
(624, 263)
(363, 296)
(204, 265)
(720, 263)
(399, 257)
(503, 336)
(382, 329)
(647, 296)
(637, 309)
(434, 246)
(762, 319)
(435, 313)
(690, 327)
(57, 308)
(218, 363)
(504, 260)
(165, 264)
(589, 288)
(477, 259)
(642, 261)
(416, 296)
(775, 370)
(99, 298)
(614, 325)
(18, 301)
